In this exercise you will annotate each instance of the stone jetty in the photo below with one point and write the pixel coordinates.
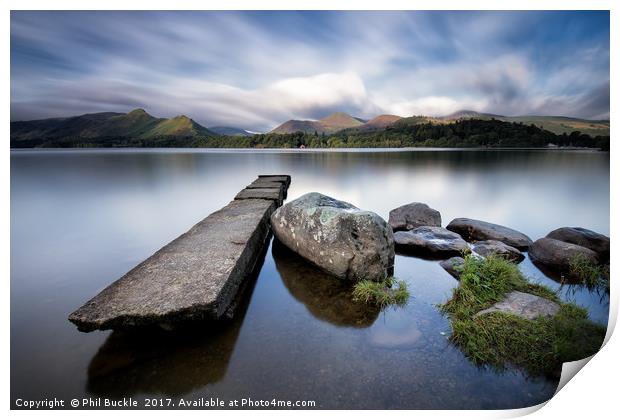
(198, 275)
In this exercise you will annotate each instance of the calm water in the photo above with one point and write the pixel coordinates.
(81, 219)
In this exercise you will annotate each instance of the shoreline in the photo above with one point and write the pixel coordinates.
(306, 150)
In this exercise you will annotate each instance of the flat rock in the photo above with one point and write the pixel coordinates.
(583, 237)
(413, 215)
(285, 179)
(276, 194)
(556, 255)
(452, 265)
(195, 277)
(492, 247)
(524, 305)
(430, 241)
(478, 230)
(347, 242)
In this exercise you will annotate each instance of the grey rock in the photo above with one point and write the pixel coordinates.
(275, 194)
(413, 215)
(285, 179)
(195, 277)
(524, 305)
(343, 240)
(486, 248)
(556, 255)
(478, 230)
(583, 237)
(430, 241)
(452, 266)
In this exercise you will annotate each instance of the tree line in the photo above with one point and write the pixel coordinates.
(463, 133)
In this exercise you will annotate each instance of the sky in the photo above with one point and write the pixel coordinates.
(255, 70)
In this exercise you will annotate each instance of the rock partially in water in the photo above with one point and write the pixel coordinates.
(525, 305)
(556, 255)
(492, 247)
(347, 242)
(431, 241)
(584, 237)
(413, 215)
(478, 230)
(326, 297)
(452, 266)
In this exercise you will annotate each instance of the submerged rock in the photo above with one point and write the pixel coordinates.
(583, 237)
(478, 230)
(557, 255)
(524, 305)
(413, 215)
(486, 248)
(452, 266)
(343, 240)
(430, 241)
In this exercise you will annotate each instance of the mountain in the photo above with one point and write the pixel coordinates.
(230, 131)
(135, 124)
(328, 125)
(380, 122)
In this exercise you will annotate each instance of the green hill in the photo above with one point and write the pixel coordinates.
(137, 124)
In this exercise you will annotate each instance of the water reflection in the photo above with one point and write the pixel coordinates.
(81, 219)
(160, 362)
(326, 297)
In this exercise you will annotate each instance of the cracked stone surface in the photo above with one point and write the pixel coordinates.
(524, 305)
(347, 242)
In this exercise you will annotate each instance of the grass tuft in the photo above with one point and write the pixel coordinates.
(540, 346)
(383, 294)
(593, 276)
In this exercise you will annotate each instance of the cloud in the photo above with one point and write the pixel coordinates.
(258, 69)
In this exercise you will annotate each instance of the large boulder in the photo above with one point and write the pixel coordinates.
(478, 230)
(492, 247)
(347, 242)
(556, 255)
(583, 237)
(413, 215)
(431, 241)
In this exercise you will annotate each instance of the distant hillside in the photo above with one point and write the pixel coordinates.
(557, 125)
(328, 125)
(230, 131)
(137, 124)
(468, 114)
(561, 125)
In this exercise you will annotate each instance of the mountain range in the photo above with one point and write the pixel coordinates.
(555, 124)
(140, 125)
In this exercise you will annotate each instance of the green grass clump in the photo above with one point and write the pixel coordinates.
(383, 294)
(540, 346)
(586, 272)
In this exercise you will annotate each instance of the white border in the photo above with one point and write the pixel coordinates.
(591, 395)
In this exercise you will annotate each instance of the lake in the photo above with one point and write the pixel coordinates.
(80, 219)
